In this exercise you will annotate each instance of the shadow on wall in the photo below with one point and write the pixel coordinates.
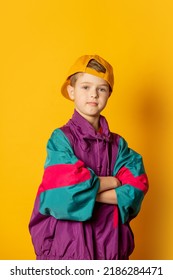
(151, 113)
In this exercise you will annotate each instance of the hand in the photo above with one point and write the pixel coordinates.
(108, 183)
(117, 182)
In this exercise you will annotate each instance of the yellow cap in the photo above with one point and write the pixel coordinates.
(81, 66)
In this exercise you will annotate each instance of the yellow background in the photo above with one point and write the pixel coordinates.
(39, 42)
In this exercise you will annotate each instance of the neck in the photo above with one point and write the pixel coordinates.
(93, 120)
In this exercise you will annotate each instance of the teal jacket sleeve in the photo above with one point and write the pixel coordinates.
(129, 169)
(68, 189)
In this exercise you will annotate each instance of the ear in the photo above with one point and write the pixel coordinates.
(70, 91)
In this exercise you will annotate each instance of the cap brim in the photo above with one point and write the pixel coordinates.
(64, 89)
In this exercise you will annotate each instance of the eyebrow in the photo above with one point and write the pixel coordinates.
(106, 85)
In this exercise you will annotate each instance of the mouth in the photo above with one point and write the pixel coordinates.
(92, 103)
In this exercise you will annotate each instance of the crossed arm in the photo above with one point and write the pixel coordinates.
(127, 189)
(106, 192)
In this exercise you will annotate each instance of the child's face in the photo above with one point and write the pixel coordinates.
(90, 95)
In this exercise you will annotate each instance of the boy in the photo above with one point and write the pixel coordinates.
(93, 184)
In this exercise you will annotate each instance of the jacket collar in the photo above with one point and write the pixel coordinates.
(86, 129)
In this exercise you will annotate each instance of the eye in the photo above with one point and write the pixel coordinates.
(102, 89)
(85, 87)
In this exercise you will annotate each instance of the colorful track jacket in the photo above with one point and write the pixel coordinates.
(67, 222)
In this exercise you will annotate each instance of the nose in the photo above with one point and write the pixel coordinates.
(94, 93)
